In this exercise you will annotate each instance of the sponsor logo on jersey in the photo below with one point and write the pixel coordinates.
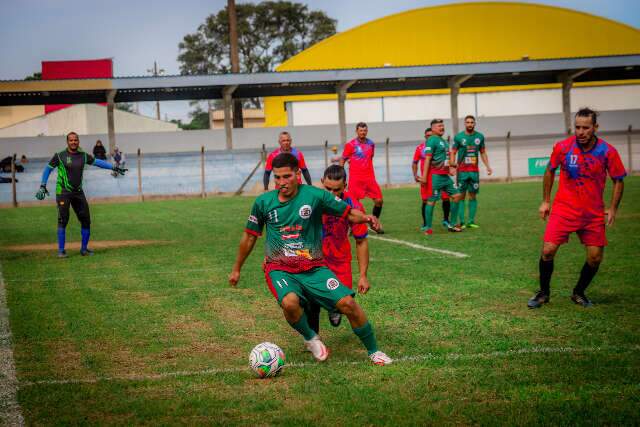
(68, 160)
(253, 219)
(305, 212)
(290, 236)
(332, 284)
(289, 228)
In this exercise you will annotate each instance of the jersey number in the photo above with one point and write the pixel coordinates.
(573, 159)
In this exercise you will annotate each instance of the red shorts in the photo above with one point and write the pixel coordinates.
(591, 231)
(361, 188)
(426, 190)
(343, 272)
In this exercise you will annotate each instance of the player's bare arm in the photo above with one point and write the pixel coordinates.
(425, 171)
(362, 253)
(618, 189)
(247, 243)
(547, 185)
(485, 160)
(414, 169)
(358, 217)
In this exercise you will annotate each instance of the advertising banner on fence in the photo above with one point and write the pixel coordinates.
(537, 165)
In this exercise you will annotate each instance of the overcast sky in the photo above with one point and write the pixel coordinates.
(135, 33)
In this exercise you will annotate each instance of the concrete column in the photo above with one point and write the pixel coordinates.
(566, 78)
(342, 114)
(228, 125)
(111, 128)
(454, 84)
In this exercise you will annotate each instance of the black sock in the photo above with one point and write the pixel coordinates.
(313, 316)
(424, 219)
(546, 269)
(586, 275)
(446, 208)
(377, 210)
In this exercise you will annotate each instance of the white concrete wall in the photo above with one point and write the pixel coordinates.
(486, 104)
(85, 119)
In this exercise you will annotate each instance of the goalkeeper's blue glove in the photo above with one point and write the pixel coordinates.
(42, 192)
(119, 170)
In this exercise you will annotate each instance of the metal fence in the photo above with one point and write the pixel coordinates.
(206, 173)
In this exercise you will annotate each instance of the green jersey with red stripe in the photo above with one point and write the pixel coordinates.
(468, 149)
(436, 151)
(294, 228)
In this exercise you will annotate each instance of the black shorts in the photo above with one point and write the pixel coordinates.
(80, 206)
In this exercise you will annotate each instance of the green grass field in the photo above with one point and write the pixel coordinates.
(154, 335)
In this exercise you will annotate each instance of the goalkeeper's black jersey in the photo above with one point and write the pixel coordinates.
(70, 168)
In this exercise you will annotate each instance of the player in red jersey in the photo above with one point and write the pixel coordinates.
(359, 153)
(284, 139)
(584, 161)
(336, 248)
(425, 189)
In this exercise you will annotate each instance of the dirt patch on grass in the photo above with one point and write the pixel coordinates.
(95, 244)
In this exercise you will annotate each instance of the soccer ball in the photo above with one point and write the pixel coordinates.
(266, 360)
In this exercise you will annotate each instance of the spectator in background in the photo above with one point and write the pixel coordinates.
(5, 165)
(118, 160)
(99, 151)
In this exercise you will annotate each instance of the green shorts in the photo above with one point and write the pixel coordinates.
(319, 285)
(469, 181)
(440, 183)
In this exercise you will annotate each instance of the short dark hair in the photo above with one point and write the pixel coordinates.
(284, 160)
(427, 130)
(470, 117)
(72, 133)
(588, 112)
(361, 125)
(435, 121)
(335, 173)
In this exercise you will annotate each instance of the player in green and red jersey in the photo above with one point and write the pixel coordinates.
(469, 145)
(295, 269)
(436, 163)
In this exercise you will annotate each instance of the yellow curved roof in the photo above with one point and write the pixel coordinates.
(469, 32)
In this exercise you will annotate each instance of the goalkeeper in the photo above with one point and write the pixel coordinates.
(70, 163)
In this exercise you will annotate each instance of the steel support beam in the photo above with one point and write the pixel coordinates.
(342, 89)
(228, 125)
(566, 78)
(111, 128)
(454, 84)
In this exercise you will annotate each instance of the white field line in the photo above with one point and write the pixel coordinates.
(421, 247)
(10, 412)
(404, 359)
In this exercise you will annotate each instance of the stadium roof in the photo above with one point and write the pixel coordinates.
(170, 88)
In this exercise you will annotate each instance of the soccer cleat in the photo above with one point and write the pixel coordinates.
(62, 254)
(317, 348)
(446, 224)
(379, 231)
(538, 299)
(380, 359)
(335, 317)
(581, 300)
(472, 225)
(428, 232)
(86, 252)
(454, 229)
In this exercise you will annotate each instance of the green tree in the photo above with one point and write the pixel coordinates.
(199, 120)
(34, 76)
(269, 33)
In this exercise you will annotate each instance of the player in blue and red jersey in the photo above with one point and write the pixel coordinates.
(284, 139)
(336, 248)
(584, 161)
(419, 156)
(359, 153)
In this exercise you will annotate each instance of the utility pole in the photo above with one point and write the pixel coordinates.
(156, 72)
(235, 60)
